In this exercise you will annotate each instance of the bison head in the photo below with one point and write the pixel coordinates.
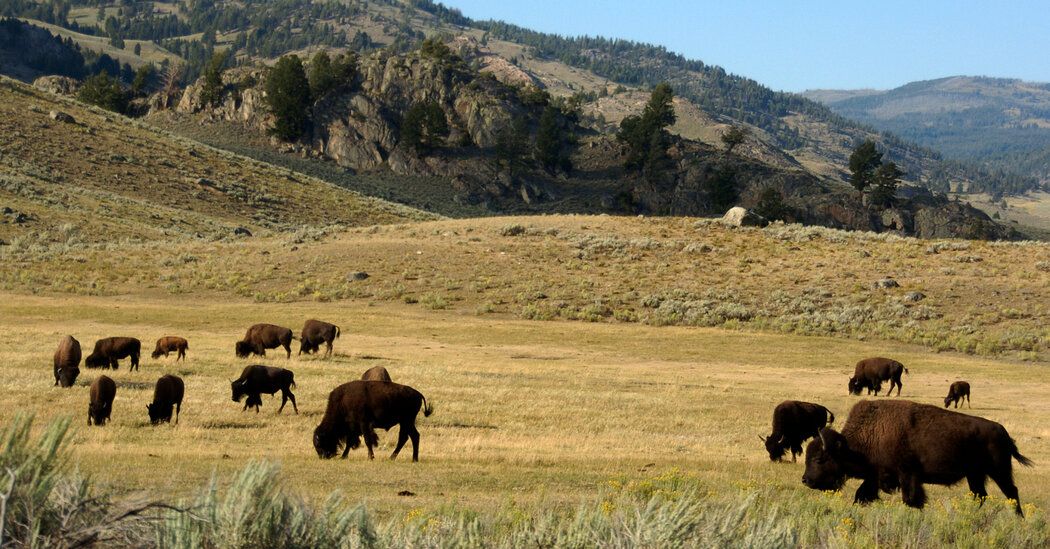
(775, 446)
(95, 361)
(826, 461)
(238, 390)
(854, 386)
(157, 413)
(947, 400)
(67, 376)
(243, 349)
(326, 443)
(155, 353)
(97, 411)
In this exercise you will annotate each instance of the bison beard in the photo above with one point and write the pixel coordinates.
(899, 444)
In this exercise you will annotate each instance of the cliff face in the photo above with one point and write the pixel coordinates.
(358, 126)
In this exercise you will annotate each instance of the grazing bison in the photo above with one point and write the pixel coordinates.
(316, 332)
(102, 392)
(264, 336)
(169, 344)
(871, 372)
(111, 349)
(258, 379)
(896, 443)
(355, 409)
(168, 392)
(376, 373)
(958, 391)
(67, 361)
(793, 423)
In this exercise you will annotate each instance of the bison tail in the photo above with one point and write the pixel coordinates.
(427, 408)
(291, 379)
(337, 332)
(831, 416)
(905, 370)
(1021, 459)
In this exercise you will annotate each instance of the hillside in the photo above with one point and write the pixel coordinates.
(103, 178)
(806, 131)
(1001, 123)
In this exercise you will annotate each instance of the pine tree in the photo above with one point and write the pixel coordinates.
(642, 132)
(862, 165)
(884, 185)
(104, 91)
(212, 87)
(733, 136)
(320, 75)
(550, 142)
(145, 77)
(512, 145)
(423, 125)
(288, 96)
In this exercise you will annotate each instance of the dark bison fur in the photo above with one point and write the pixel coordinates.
(316, 332)
(264, 336)
(894, 444)
(257, 379)
(793, 423)
(357, 408)
(376, 373)
(67, 362)
(111, 349)
(171, 344)
(101, 405)
(958, 391)
(871, 372)
(168, 393)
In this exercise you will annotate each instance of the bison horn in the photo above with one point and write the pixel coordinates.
(823, 441)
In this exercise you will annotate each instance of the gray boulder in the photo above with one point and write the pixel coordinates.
(742, 217)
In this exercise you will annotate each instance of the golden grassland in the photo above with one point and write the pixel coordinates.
(530, 416)
(112, 178)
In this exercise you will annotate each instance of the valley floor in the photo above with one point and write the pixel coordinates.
(528, 414)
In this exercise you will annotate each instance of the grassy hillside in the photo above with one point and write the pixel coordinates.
(106, 178)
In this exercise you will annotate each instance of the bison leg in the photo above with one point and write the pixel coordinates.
(287, 395)
(346, 450)
(968, 402)
(414, 435)
(291, 397)
(402, 438)
(912, 492)
(1005, 481)
(288, 349)
(868, 491)
(178, 408)
(328, 351)
(976, 482)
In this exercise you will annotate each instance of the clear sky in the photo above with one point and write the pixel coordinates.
(804, 44)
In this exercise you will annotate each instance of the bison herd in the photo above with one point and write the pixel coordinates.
(889, 445)
(895, 445)
(355, 409)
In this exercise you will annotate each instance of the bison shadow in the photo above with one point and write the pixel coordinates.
(458, 425)
(231, 425)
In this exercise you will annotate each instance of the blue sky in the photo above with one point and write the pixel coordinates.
(803, 44)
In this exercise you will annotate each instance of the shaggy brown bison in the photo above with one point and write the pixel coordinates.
(67, 361)
(111, 349)
(316, 332)
(793, 423)
(264, 336)
(168, 392)
(376, 373)
(871, 372)
(958, 391)
(102, 392)
(258, 379)
(355, 409)
(894, 444)
(171, 344)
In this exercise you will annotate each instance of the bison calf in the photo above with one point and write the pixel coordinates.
(168, 393)
(102, 392)
(355, 409)
(171, 344)
(899, 444)
(871, 372)
(376, 373)
(316, 332)
(67, 361)
(111, 349)
(958, 391)
(264, 336)
(793, 423)
(258, 379)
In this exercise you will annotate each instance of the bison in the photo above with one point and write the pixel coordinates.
(894, 444)
(793, 423)
(316, 332)
(376, 373)
(871, 372)
(355, 409)
(264, 336)
(258, 379)
(102, 392)
(67, 361)
(958, 391)
(111, 349)
(168, 392)
(169, 344)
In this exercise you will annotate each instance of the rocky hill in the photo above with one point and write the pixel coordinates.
(70, 172)
(1003, 123)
